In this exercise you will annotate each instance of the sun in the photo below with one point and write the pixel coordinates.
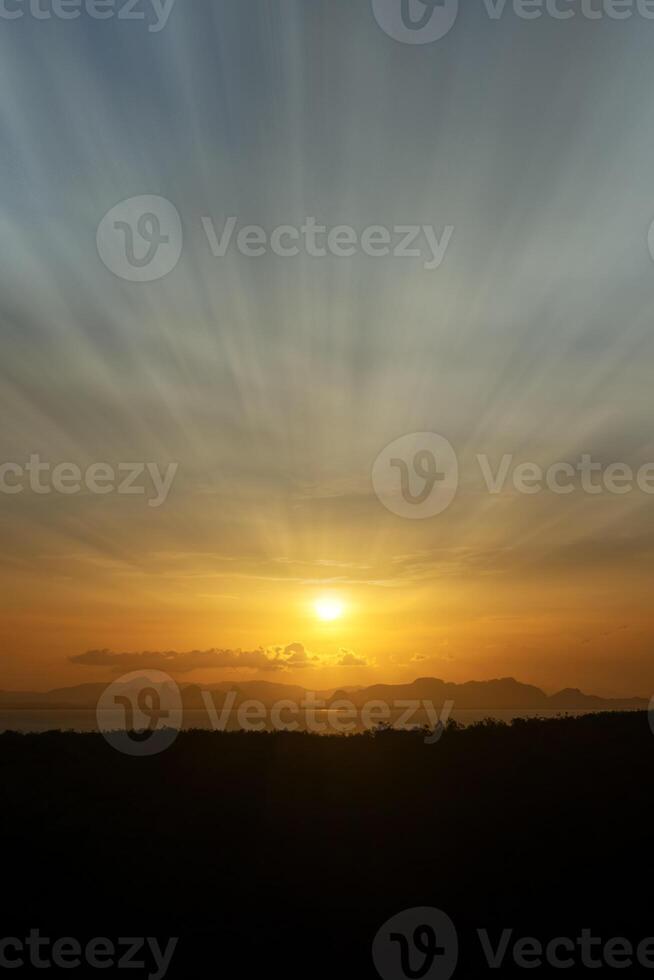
(328, 608)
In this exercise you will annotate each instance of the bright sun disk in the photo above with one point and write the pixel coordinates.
(328, 609)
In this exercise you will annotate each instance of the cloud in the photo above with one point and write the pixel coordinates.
(176, 662)
(293, 655)
(347, 658)
(400, 660)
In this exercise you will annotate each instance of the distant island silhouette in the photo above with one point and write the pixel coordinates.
(502, 694)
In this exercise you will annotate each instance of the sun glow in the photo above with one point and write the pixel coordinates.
(328, 608)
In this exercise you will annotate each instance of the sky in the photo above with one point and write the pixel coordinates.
(272, 383)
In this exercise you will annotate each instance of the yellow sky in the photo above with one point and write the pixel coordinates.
(272, 383)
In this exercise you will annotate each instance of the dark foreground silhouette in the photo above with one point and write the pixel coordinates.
(285, 853)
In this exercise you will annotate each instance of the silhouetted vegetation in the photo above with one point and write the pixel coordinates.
(287, 851)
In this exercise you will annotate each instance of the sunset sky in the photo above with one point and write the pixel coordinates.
(275, 382)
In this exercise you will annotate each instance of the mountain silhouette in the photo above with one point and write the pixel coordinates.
(501, 694)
